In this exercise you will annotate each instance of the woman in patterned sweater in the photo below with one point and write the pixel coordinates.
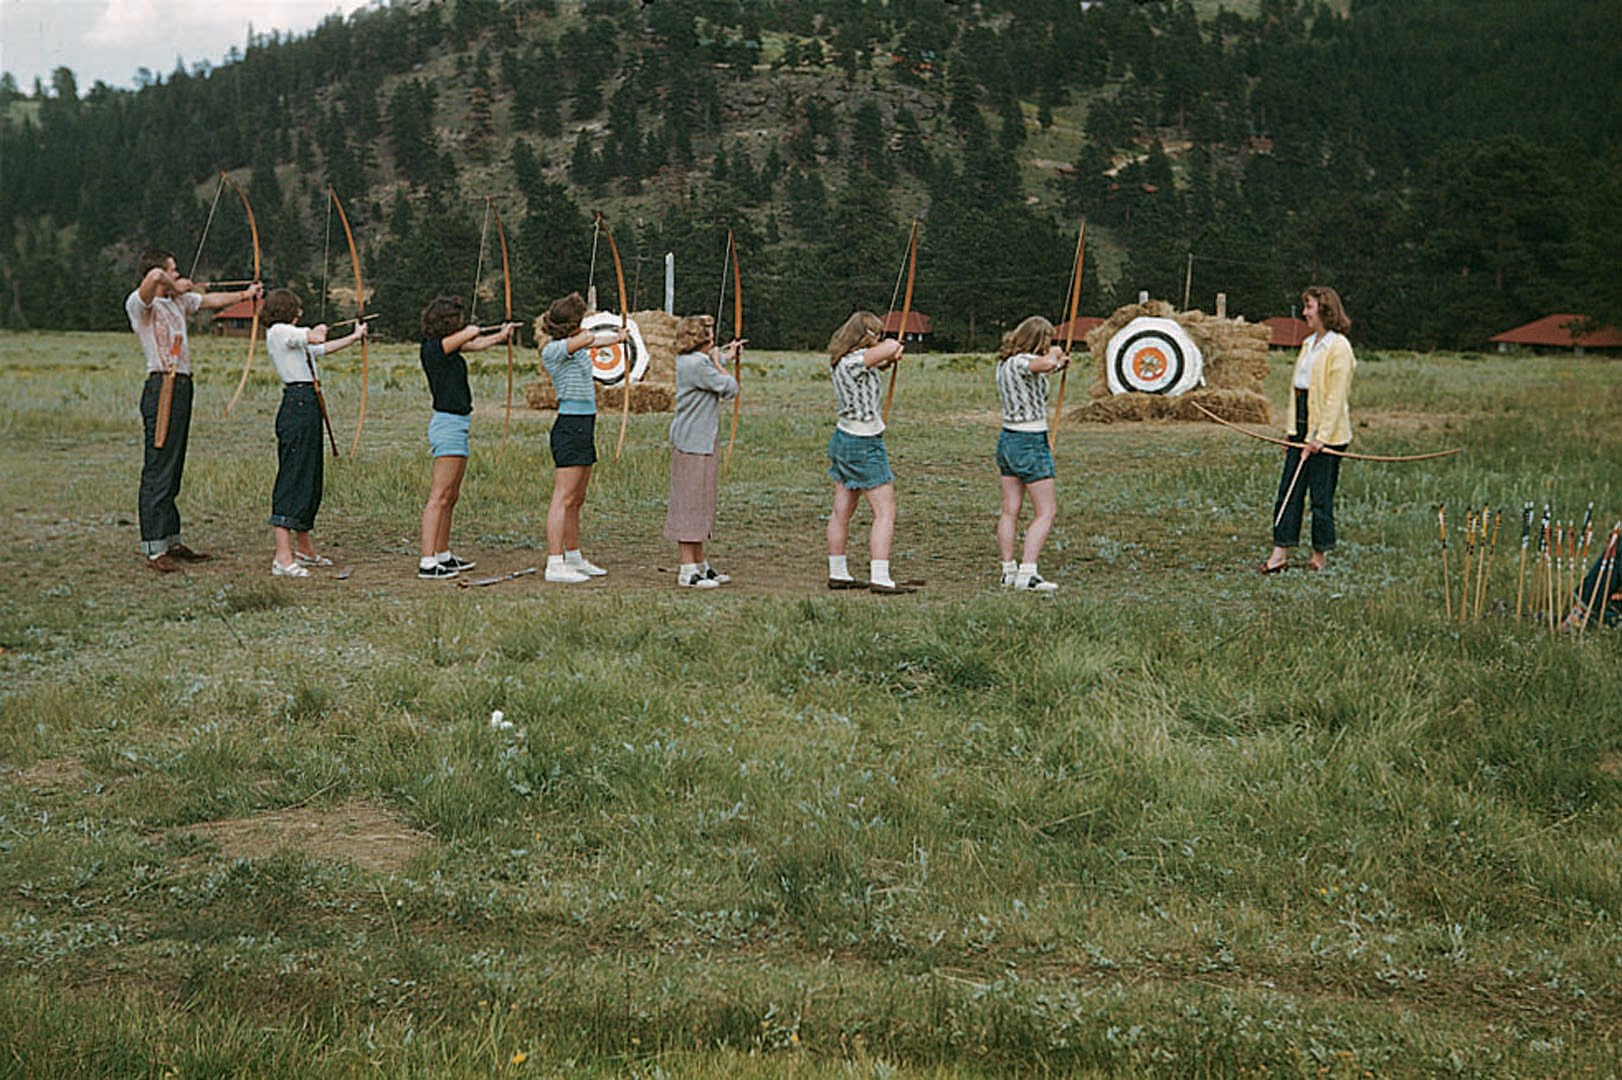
(856, 457)
(1023, 456)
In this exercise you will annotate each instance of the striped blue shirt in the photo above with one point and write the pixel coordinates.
(571, 378)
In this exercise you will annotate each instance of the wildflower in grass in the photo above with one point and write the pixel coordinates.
(519, 1058)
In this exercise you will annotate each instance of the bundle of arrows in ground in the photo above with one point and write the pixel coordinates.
(1559, 552)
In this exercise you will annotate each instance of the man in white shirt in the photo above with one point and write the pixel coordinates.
(157, 310)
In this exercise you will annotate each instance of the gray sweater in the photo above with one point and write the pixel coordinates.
(700, 389)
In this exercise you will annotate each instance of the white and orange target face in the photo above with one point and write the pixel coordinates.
(609, 363)
(1150, 363)
(1152, 356)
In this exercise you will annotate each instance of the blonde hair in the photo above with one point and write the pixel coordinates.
(1034, 335)
(854, 333)
(693, 331)
(562, 319)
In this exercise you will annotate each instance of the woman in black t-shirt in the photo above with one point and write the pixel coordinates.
(446, 335)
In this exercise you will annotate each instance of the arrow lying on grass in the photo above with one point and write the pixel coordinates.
(494, 579)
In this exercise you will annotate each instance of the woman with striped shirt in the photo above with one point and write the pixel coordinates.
(1023, 456)
(857, 461)
(566, 355)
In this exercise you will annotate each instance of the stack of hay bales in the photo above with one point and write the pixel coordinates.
(657, 390)
(1234, 356)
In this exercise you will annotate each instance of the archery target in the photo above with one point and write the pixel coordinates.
(608, 362)
(1152, 356)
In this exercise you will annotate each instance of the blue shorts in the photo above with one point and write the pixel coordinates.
(447, 434)
(573, 440)
(858, 461)
(1024, 455)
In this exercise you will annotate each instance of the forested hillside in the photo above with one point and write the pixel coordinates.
(1454, 168)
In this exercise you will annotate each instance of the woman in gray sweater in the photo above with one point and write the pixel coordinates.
(702, 383)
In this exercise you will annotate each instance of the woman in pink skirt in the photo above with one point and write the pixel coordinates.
(702, 383)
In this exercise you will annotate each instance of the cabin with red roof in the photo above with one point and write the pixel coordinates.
(1287, 333)
(919, 327)
(1575, 332)
(236, 320)
(1084, 324)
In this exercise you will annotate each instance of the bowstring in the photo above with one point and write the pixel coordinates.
(721, 297)
(478, 272)
(591, 276)
(900, 273)
(326, 255)
(219, 189)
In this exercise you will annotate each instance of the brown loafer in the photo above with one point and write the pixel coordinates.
(163, 564)
(186, 554)
(839, 583)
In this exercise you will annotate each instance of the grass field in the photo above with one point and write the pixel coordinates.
(1178, 820)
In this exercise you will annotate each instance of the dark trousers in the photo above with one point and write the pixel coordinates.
(161, 468)
(299, 459)
(1318, 480)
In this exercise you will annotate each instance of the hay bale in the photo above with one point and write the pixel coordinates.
(540, 395)
(1113, 408)
(645, 397)
(1240, 406)
(1237, 405)
(659, 335)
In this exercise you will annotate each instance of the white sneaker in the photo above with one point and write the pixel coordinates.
(586, 566)
(715, 575)
(697, 580)
(565, 575)
(311, 560)
(295, 570)
(1037, 584)
(1008, 580)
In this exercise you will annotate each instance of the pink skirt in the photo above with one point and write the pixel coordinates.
(691, 517)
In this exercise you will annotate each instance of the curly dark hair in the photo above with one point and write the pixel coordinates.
(562, 319)
(443, 316)
(281, 306)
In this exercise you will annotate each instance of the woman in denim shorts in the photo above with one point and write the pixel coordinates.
(446, 335)
(1024, 457)
(856, 458)
(566, 356)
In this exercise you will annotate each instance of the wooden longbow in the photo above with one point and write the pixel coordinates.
(1326, 450)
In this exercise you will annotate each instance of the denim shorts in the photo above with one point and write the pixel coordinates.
(858, 461)
(1024, 455)
(574, 441)
(447, 434)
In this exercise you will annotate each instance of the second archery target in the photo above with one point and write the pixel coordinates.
(1152, 356)
(609, 362)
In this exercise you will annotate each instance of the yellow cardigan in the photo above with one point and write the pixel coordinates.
(1328, 394)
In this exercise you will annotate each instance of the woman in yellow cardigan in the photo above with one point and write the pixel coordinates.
(1318, 420)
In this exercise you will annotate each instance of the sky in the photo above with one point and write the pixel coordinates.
(111, 40)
